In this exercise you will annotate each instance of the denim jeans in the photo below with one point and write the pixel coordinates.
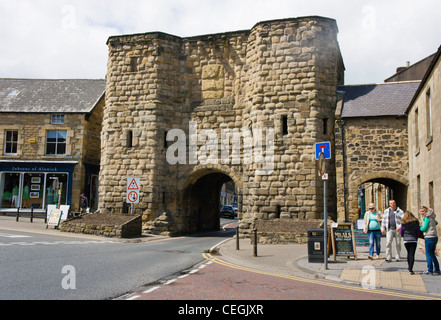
(430, 254)
(374, 238)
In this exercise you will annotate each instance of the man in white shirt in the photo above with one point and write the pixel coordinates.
(390, 226)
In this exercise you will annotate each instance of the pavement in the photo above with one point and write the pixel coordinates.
(292, 259)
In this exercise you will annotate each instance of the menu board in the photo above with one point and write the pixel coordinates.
(343, 241)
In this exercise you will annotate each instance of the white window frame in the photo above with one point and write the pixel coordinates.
(10, 142)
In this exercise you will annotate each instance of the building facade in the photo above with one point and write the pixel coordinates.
(424, 125)
(170, 101)
(49, 138)
(372, 146)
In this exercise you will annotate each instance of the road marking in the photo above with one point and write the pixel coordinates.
(209, 257)
(7, 235)
(151, 290)
(193, 271)
(169, 282)
(134, 298)
(54, 243)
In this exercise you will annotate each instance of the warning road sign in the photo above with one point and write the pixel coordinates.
(133, 184)
(133, 190)
(133, 197)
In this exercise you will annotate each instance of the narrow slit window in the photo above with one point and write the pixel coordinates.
(285, 125)
(325, 126)
(130, 139)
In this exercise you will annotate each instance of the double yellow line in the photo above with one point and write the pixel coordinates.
(209, 257)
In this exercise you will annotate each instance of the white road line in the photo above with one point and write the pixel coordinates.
(194, 271)
(134, 298)
(169, 282)
(151, 290)
(8, 235)
(183, 276)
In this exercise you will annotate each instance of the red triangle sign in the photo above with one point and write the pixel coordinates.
(133, 185)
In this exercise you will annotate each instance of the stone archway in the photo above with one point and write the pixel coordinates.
(201, 196)
(398, 186)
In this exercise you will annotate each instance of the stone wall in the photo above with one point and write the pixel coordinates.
(122, 227)
(375, 150)
(280, 75)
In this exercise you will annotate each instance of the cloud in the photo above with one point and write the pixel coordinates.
(67, 38)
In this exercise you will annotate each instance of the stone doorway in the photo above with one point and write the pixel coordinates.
(379, 191)
(202, 198)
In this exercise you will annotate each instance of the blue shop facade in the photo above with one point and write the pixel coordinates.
(32, 184)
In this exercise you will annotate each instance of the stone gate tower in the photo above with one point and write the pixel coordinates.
(274, 85)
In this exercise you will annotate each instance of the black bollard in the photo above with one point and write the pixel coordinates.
(32, 214)
(255, 242)
(237, 238)
(18, 214)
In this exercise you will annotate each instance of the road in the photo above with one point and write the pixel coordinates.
(38, 266)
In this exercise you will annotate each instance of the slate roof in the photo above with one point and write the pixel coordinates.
(50, 96)
(376, 100)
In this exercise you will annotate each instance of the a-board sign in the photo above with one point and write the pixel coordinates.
(54, 218)
(343, 240)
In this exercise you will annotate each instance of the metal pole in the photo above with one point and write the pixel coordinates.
(237, 238)
(325, 209)
(32, 214)
(255, 242)
(18, 214)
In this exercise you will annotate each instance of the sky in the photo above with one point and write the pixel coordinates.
(66, 39)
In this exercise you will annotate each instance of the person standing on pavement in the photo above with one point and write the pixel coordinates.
(390, 226)
(372, 222)
(84, 204)
(430, 240)
(410, 231)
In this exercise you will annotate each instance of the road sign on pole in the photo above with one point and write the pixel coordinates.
(322, 147)
(323, 152)
(133, 190)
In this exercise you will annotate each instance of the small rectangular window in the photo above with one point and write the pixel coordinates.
(285, 125)
(429, 114)
(11, 142)
(325, 126)
(130, 139)
(134, 64)
(416, 129)
(57, 119)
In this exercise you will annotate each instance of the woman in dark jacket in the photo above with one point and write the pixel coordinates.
(410, 231)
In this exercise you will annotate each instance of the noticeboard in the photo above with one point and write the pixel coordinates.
(343, 241)
(54, 218)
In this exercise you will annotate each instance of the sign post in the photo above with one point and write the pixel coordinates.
(133, 191)
(323, 152)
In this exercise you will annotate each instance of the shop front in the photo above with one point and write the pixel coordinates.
(36, 185)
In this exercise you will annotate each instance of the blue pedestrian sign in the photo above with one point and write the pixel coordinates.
(324, 147)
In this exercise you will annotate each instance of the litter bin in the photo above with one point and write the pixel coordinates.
(316, 239)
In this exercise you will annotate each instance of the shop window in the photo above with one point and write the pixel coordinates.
(9, 190)
(56, 142)
(33, 191)
(11, 142)
(56, 187)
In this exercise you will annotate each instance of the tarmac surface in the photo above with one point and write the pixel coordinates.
(292, 259)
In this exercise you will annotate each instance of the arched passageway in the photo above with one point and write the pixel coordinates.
(379, 191)
(202, 199)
